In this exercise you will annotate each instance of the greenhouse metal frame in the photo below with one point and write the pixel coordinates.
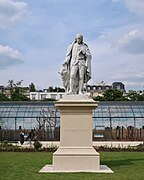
(111, 120)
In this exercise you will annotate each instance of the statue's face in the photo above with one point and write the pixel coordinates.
(79, 39)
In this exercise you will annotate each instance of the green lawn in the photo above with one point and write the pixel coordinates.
(25, 166)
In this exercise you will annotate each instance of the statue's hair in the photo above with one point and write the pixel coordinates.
(79, 35)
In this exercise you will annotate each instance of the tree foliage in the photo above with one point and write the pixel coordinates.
(3, 97)
(17, 93)
(113, 95)
(117, 95)
(98, 98)
(32, 87)
(55, 89)
(135, 96)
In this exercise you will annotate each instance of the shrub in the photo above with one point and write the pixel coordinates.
(5, 146)
(139, 147)
(37, 145)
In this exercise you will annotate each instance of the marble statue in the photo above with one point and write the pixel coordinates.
(76, 69)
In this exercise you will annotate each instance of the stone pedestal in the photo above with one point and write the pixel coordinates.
(76, 152)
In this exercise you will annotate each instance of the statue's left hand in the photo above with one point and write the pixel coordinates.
(83, 50)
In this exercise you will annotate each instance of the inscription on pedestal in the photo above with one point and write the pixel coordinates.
(76, 130)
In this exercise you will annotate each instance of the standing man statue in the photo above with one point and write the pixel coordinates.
(76, 70)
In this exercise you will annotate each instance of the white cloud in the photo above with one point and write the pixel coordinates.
(131, 75)
(116, 57)
(136, 6)
(9, 56)
(11, 11)
(132, 42)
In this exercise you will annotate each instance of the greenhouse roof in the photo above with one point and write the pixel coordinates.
(25, 109)
(119, 109)
(34, 109)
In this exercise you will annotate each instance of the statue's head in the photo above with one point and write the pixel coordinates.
(79, 38)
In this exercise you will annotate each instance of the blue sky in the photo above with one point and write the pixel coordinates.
(34, 35)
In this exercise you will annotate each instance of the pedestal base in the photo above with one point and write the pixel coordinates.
(49, 169)
(76, 159)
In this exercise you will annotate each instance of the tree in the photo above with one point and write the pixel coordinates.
(98, 98)
(113, 95)
(47, 121)
(60, 89)
(3, 97)
(135, 96)
(50, 89)
(17, 93)
(32, 87)
(56, 89)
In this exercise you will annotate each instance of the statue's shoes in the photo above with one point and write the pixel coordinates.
(80, 93)
(70, 92)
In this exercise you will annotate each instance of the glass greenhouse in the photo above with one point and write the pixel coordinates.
(111, 120)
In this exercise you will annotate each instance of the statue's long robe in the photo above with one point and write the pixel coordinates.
(66, 68)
